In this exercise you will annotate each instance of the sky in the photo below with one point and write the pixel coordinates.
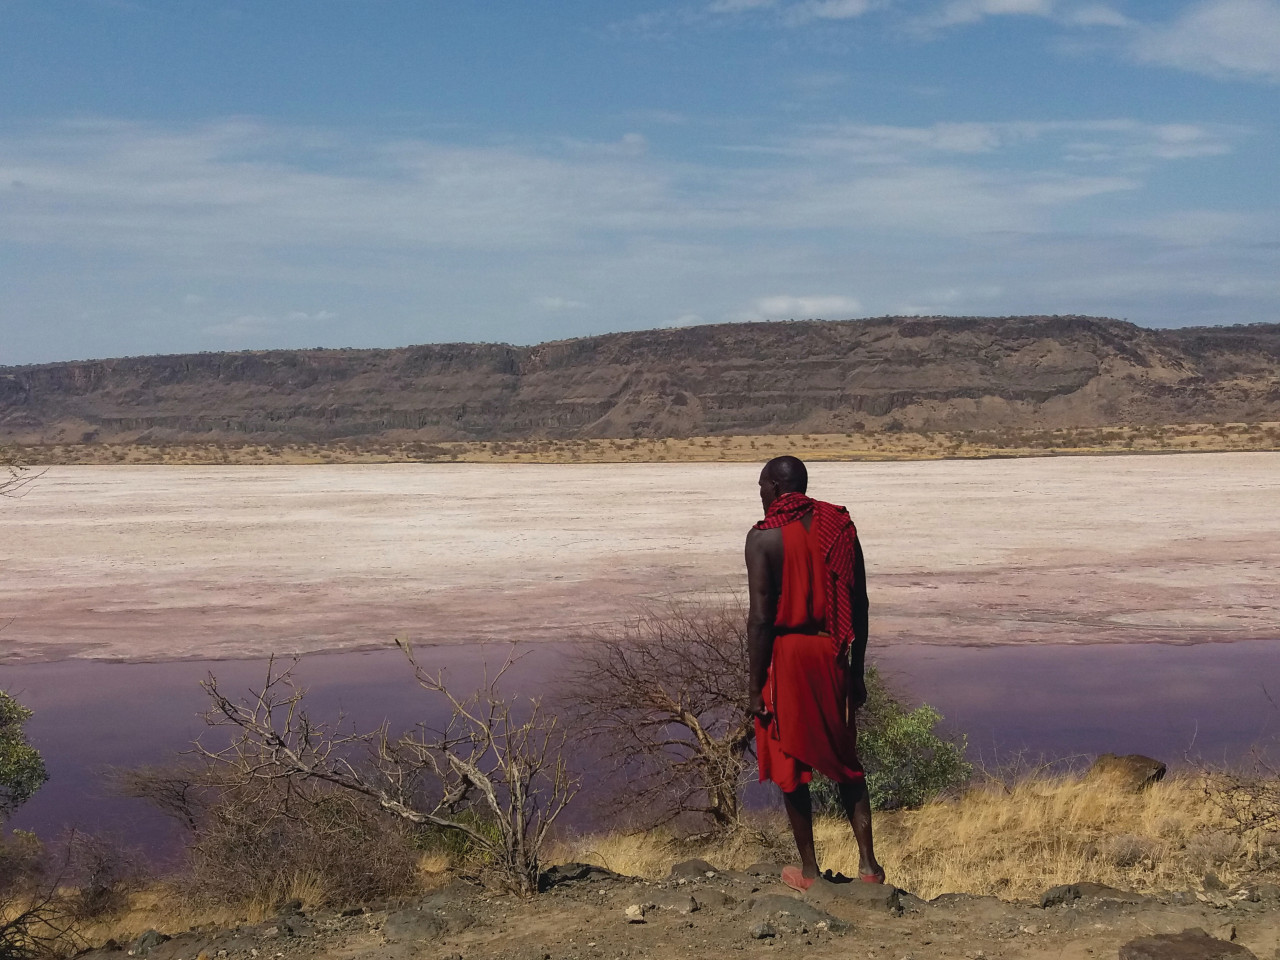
(187, 175)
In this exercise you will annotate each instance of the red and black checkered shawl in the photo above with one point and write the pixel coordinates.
(836, 537)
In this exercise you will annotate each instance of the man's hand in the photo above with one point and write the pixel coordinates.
(857, 692)
(758, 708)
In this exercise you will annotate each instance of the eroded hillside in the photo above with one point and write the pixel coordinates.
(761, 378)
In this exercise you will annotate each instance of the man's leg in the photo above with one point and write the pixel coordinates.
(857, 807)
(800, 812)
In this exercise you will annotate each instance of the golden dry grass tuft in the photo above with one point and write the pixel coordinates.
(1008, 842)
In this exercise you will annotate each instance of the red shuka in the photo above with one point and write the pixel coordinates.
(811, 727)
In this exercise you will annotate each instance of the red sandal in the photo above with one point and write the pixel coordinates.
(794, 878)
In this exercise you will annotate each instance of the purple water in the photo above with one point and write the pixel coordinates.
(1212, 701)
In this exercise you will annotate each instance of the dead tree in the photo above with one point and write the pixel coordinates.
(494, 775)
(665, 694)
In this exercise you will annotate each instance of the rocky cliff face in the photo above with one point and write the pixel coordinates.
(931, 373)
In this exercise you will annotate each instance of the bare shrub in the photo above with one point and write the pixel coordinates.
(492, 775)
(1207, 850)
(103, 874)
(1249, 799)
(665, 695)
(261, 845)
(35, 920)
(1129, 850)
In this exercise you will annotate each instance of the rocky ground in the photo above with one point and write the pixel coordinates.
(702, 912)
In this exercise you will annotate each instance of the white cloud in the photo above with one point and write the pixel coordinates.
(412, 240)
(559, 304)
(805, 308)
(1096, 141)
(799, 12)
(248, 327)
(1224, 38)
(959, 12)
(827, 10)
(739, 6)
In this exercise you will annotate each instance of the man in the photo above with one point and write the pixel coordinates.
(807, 639)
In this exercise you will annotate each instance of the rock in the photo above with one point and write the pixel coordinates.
(571, 872)
(634, 913)
(1085, 890)
(711, 897)
(794, 911)
(1192, 944)
(147, 942)
(691, 870)
(882, 896)
(296, 926)
(1132, 772)
(763, 868)
(762, 930)
(425, 922)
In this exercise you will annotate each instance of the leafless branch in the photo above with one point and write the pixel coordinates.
(509, 768)
(665, 694)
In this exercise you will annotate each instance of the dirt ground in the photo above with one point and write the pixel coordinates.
(711, 914)
(169, 562)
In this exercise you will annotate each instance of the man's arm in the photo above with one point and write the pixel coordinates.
(763, 598)
(858, 648)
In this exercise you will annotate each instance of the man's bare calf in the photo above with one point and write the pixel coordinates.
(857, 807)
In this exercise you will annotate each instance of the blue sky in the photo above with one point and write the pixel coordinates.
(229, 174)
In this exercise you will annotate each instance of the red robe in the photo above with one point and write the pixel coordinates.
(811, 727)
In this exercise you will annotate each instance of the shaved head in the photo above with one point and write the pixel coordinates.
(789, 473)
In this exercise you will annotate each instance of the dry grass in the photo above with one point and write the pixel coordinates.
(875, 445)
(1012, 843)
(168, 906)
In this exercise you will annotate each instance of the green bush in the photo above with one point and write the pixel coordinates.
(22, 770)
(908, 762)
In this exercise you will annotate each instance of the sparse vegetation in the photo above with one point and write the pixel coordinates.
(496, 774)
(890, 441)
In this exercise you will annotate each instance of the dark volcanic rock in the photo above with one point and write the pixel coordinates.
(570, 872)
(1192, 944)
(1068, 892)
(881, 896)
(426, 921)
(691, 869)
(793, 913)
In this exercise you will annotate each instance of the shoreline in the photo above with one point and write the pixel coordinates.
(365, 649)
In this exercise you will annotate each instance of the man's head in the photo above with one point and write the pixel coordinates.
(782, 475)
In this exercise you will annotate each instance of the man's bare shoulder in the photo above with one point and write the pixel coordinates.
(758, 539)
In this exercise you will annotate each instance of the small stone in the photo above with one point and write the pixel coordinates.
(763, 930)
(634, 913)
